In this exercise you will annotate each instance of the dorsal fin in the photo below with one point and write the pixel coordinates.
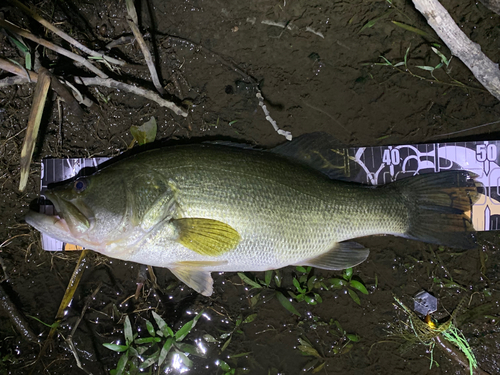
(320, 151)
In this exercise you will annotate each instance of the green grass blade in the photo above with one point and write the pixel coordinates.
(411, 29)
(359, 286)
(248, 281)
(285, 302)
(354, 296)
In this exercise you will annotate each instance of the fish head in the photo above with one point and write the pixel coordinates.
(91, 211)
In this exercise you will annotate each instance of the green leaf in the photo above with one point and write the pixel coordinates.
(285, 302)
(254, 299)
(346, 349)
(187, 362)
(410, 28)
(150, 360)
(184, 331)
(164, 350)
(309, 300)
(127, 330)
(442, 57)
(353, 337)
(301, 269)
(339, 327)
(53, 325)
(338, 283)
(248, 281)
(386, 63)
(159, 320)
(407, 53)
(310, 283)
(226, 344)
(268, 277)
(147, 340)
(232, 356)
(296, 283)
(142, 349)
(318, 298)
(310, 365)
(424, 67)
(250, 318)
(308, 350)
(167, 331)
(277, 279)
(373, 21)
(115, 347)
(186, 328)
(145, 133)
(348, 274)
(190, 349)
(150, 327)
(319, 368)
(223, 365)
(132, 352)
(209, 338)
(359, 286)
(354, 296)
(122, 363)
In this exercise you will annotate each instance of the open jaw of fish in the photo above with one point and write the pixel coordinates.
(196, 209)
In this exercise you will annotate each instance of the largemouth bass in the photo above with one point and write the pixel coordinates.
(201, 208)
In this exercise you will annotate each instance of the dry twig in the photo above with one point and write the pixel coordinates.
(73, 56)
(63, 35)
(42, 87)
(460, 45)
(91, 81)
(133, 23)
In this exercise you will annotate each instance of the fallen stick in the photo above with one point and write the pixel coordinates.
(151, 95)
(73, 56)
(485, 70)
(133, 24)
(63, 35)
(90, 81)
(39, 97)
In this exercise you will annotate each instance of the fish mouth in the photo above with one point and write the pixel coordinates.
(75, 215)
(69, 223)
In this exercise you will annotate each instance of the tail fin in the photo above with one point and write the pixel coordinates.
(439, 207)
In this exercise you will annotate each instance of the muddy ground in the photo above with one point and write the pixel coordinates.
(320, 80)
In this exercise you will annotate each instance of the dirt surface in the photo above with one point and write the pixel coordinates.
(317, 72)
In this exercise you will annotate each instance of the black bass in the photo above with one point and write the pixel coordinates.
(201, 208)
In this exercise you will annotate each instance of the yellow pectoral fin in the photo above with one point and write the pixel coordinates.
(206, 236)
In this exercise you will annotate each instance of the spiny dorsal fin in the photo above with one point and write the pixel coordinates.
(206, 236)
(320, 151)
(343, 255)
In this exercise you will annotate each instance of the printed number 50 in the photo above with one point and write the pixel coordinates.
(486, 152)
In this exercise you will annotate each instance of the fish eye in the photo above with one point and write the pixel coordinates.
(80, 185)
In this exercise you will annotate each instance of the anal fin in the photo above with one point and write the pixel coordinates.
(343, 255)
(195, 275)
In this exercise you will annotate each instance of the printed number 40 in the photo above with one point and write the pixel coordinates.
(486, 152)
(391, 157)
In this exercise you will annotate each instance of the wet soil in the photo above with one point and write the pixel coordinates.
(317, 72)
